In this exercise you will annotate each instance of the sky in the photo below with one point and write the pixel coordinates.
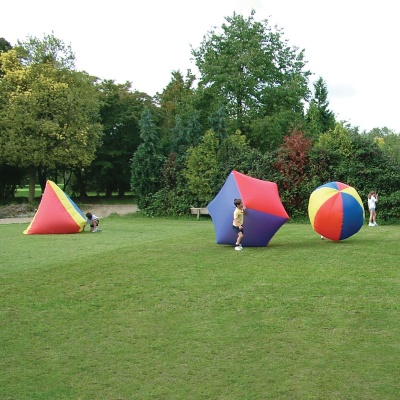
(351, 44)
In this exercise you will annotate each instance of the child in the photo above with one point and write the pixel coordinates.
(93, 221)
(238, 219)
(372, 200)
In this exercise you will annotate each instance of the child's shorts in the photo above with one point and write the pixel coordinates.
(237, 229)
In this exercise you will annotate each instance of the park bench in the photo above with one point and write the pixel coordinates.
(199, 211)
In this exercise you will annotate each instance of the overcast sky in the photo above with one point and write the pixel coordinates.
(351, 44)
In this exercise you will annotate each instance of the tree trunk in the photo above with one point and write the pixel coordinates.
(32, 184)
(42, 177)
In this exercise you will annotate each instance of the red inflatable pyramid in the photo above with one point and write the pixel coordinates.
(57, 213)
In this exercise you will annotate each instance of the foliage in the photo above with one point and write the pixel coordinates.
(187, 132)
(147, 161)
(388, 207)
(387, 140)
(319, 118)
(235, 153)
(172, 99)
(4, 46)
(48, 116)
(49, 49)
(252, 70)
(292, 163)
(201, 168)
(120, 112)
(10, 178)
(268, 132)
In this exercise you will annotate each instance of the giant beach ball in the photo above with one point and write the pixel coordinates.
(336, 211)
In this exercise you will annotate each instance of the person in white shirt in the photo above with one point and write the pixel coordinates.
(372, 200)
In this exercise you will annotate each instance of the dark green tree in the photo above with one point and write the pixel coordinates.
(319, 118)
(172, 99)
(4, 45)
(120, 113)
(147, 161)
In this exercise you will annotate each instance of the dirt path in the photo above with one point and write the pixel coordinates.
(100, 210)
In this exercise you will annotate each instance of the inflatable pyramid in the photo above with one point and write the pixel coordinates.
(57, 213)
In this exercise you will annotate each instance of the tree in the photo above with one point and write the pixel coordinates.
(172, 98)
(292, 162)
(4, 46)
(319, 118)
(187, 133)
(202, 168)
(253, 70)
(48, 116)
(120, 113)
(147, 161)
(233, 155)
(387, 140)
(49, 49)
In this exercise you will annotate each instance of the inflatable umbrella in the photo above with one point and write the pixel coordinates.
(265, 211)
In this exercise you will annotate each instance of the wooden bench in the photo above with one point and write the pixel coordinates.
(199, 211)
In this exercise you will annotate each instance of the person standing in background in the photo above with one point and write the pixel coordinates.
(372, 200)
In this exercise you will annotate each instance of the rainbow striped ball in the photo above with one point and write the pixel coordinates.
(336, 211)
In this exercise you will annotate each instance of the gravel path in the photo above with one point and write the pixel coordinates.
(100, 210)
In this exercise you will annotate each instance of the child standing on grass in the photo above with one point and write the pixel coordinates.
(238, 220)
(93, 221)
(372, 200)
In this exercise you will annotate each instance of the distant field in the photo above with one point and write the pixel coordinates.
(152, 308)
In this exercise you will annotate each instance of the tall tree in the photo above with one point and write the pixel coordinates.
(48, 116)
(34, 50)
(147, 161)
(120, 113)
(255, 71)
(172, 97)
(319, 118)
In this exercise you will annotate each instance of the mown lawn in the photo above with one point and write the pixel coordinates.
(154, 309)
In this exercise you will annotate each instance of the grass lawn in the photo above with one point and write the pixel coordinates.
(154, 309)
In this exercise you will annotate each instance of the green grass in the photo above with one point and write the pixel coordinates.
(154, 309)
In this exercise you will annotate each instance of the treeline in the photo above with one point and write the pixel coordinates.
(250, 109)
